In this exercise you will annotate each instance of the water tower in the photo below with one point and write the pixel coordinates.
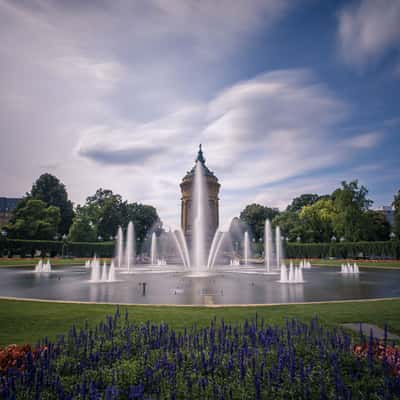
(187, 189)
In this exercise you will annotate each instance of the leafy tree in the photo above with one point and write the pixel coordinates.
(396, 206)
(304, 200)
(351, 203)
(82, 228)
(254, 215)
(290, 224)
(144, 217)
(377, 227)
(317, 220)
(34, 220)
(49, 189)
(105, 211)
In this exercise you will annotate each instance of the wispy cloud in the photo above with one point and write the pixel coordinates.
(368, 29)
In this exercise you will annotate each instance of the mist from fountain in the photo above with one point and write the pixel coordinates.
(101, 273)
(219, 237)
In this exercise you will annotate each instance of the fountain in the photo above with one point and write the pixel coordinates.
(101, 273)
(119, 248)
(305, 264)
(349, 269)
(293, 274)
(42, 267)
(278, 245)
(200, 219)
(153, 251)
(267, 245)
(246, 249)
(130, 247)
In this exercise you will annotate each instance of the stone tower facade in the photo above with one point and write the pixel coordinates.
(187, 189)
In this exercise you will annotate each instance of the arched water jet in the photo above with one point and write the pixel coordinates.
(215, 250)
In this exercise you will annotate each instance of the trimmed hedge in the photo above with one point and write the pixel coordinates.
(23, 248)
(388, 249)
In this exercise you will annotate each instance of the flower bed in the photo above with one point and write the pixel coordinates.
(122, 360)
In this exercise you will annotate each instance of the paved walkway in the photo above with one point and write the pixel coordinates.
(378, 333)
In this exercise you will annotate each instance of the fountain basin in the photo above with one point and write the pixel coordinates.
(219, 287)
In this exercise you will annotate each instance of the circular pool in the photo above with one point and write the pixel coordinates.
(172, 286)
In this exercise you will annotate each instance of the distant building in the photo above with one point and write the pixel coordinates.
(388, 212)
(7, 205)
(187, 189)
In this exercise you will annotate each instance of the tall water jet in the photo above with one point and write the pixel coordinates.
(267, 245)
(246, 248)
(199, 227)
(104, 272)
(278, 245)
(119, 253)
(153, 250)
(111, 272)
(130, 246)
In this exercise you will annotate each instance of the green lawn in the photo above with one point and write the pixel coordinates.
(28, 321)
(26, 262)
(361, 263)
(30, 262)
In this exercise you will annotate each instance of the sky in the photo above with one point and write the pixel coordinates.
(287, 97)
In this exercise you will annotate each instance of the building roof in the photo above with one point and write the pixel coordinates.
(7, 204)
(200, 158)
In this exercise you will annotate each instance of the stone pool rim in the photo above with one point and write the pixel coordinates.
(26, 299)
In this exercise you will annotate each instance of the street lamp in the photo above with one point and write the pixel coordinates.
(56, 236)
(392, 235)
(99, 238)
(4, 233)
(298, 239)
(333, 238)
(342, 239)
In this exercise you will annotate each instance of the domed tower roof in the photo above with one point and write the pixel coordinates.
(200, 157)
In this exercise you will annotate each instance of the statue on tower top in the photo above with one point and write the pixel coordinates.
(200, 156)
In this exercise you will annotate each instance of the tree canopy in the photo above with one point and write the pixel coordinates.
(105, 211)
(51, 191)
(254, 215)
(34, 219)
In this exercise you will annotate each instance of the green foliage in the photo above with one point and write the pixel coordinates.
(34, 219)
(377, 227)
(351, 203)
(254, 215)
(105, 211)
(290, 225)
(387, 249)
(22, 248)
(396, 205)
(317, 220)
(82, 228)
(304, 200)
(50, 190)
